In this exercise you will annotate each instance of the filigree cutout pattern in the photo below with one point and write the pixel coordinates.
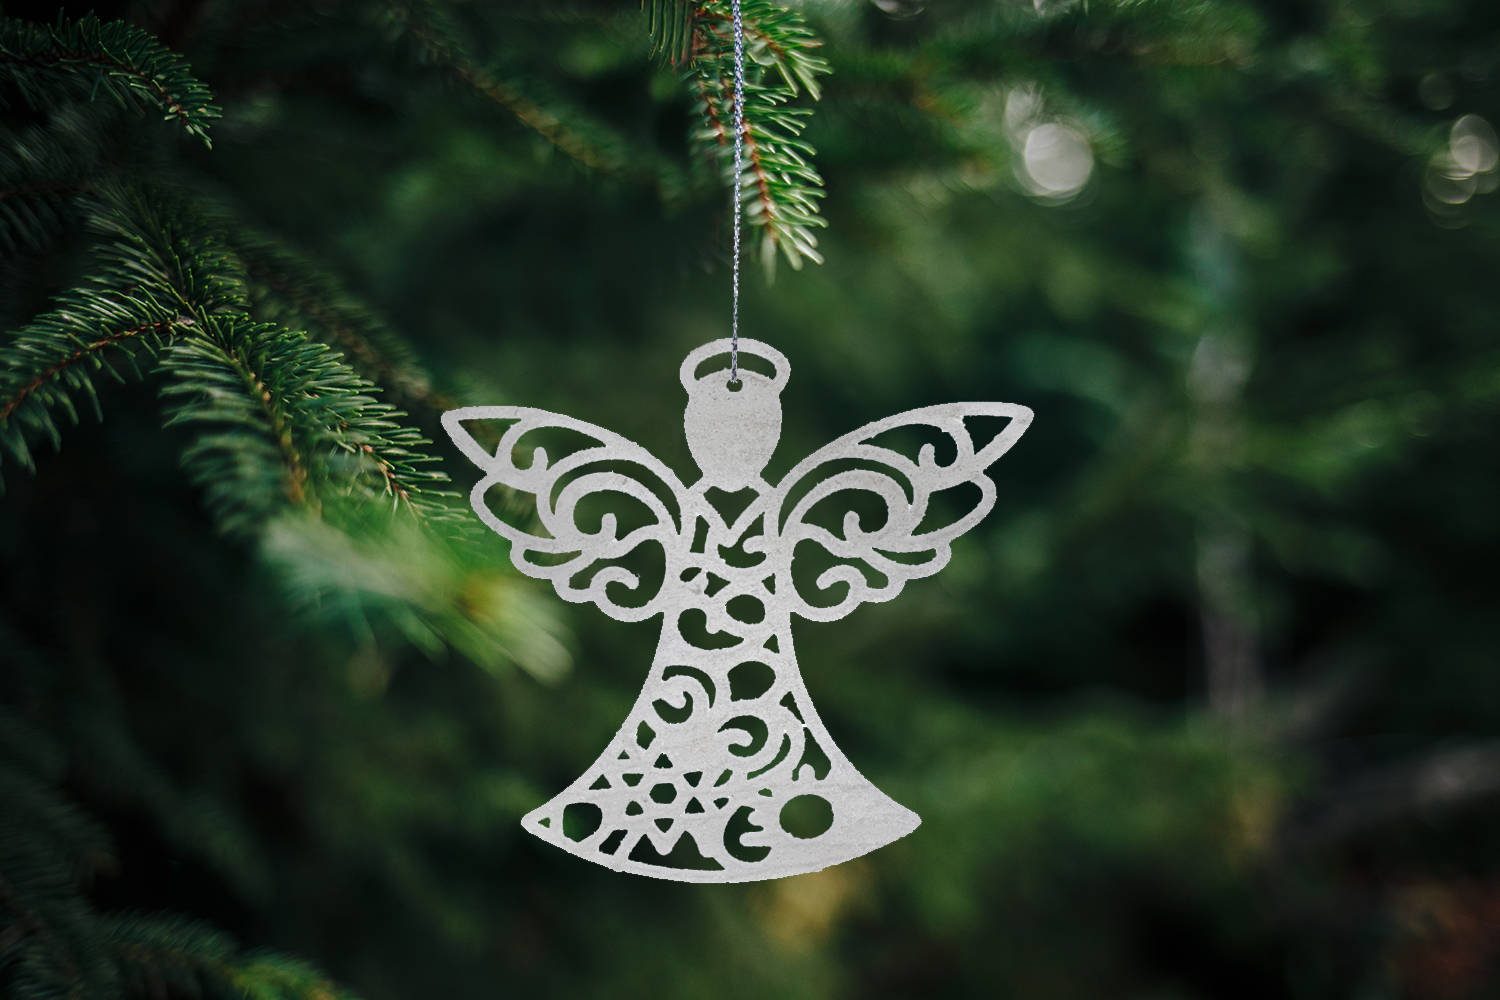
(723, 772)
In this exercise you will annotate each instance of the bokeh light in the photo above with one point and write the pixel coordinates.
(1053, 157)
(1057, 160)
(1466, 166)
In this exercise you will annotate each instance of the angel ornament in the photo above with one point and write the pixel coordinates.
(723, 772)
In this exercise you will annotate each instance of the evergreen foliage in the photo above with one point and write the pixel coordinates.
(95, 59)
(57, 945)
(280, 421)
(430, 30)
(287, 287)
(279, 416)
(778, 187)
(1206, 709)
(135, 298)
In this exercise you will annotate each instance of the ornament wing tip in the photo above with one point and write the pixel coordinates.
(1019, 419)
(464, 438)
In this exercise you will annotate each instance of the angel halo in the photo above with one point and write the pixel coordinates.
(722, 771)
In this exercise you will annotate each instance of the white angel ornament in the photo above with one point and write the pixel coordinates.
(722, 771)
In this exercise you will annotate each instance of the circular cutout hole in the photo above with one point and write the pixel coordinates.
(750, 680)
(746, 608)
(735, 384)
(806, 816)
(580, 819)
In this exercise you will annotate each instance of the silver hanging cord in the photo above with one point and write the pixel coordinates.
(739, 152)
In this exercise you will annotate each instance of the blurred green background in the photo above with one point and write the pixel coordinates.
(1207, 708)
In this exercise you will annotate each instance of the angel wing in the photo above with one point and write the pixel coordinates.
(601, 469)
(856, 472)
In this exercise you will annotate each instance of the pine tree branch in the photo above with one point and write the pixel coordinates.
(20, 395)
(577, 135)
(230, 375)
(778, 187)
(168, 250)
(148, 283)
(290, 289)
(327, 406)
(439, 593)
(113, 58)
(282, 421)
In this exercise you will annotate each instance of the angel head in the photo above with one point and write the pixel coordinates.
(732, 427)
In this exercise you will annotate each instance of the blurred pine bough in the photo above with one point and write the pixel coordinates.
(284, 415)
(275, 373)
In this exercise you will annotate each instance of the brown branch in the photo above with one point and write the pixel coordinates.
(393, 485)
(291, 457)
(716, 122)
(62, 57)
(721, 131)
(763, 183)
(529, 113)
(297, 471)
(388, 471)
(51, 372)
(752, 29)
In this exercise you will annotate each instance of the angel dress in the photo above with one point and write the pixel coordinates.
(722, 771)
